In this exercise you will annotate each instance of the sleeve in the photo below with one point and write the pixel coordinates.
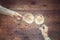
(6, 11)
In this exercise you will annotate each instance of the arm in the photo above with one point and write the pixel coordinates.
(9, 12)
(44, 30)
(6, 11)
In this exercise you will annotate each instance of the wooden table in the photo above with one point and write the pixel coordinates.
(12, 29)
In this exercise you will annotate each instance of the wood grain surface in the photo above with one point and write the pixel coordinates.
(12, 29)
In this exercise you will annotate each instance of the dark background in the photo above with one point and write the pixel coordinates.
(12, 29)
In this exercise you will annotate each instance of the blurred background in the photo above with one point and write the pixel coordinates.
(12, 29)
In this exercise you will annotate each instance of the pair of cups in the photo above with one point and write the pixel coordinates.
(30, 18)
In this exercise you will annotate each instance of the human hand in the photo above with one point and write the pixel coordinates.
(18, 16)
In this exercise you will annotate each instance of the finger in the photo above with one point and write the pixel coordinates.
(17, 14)
(41, 28)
